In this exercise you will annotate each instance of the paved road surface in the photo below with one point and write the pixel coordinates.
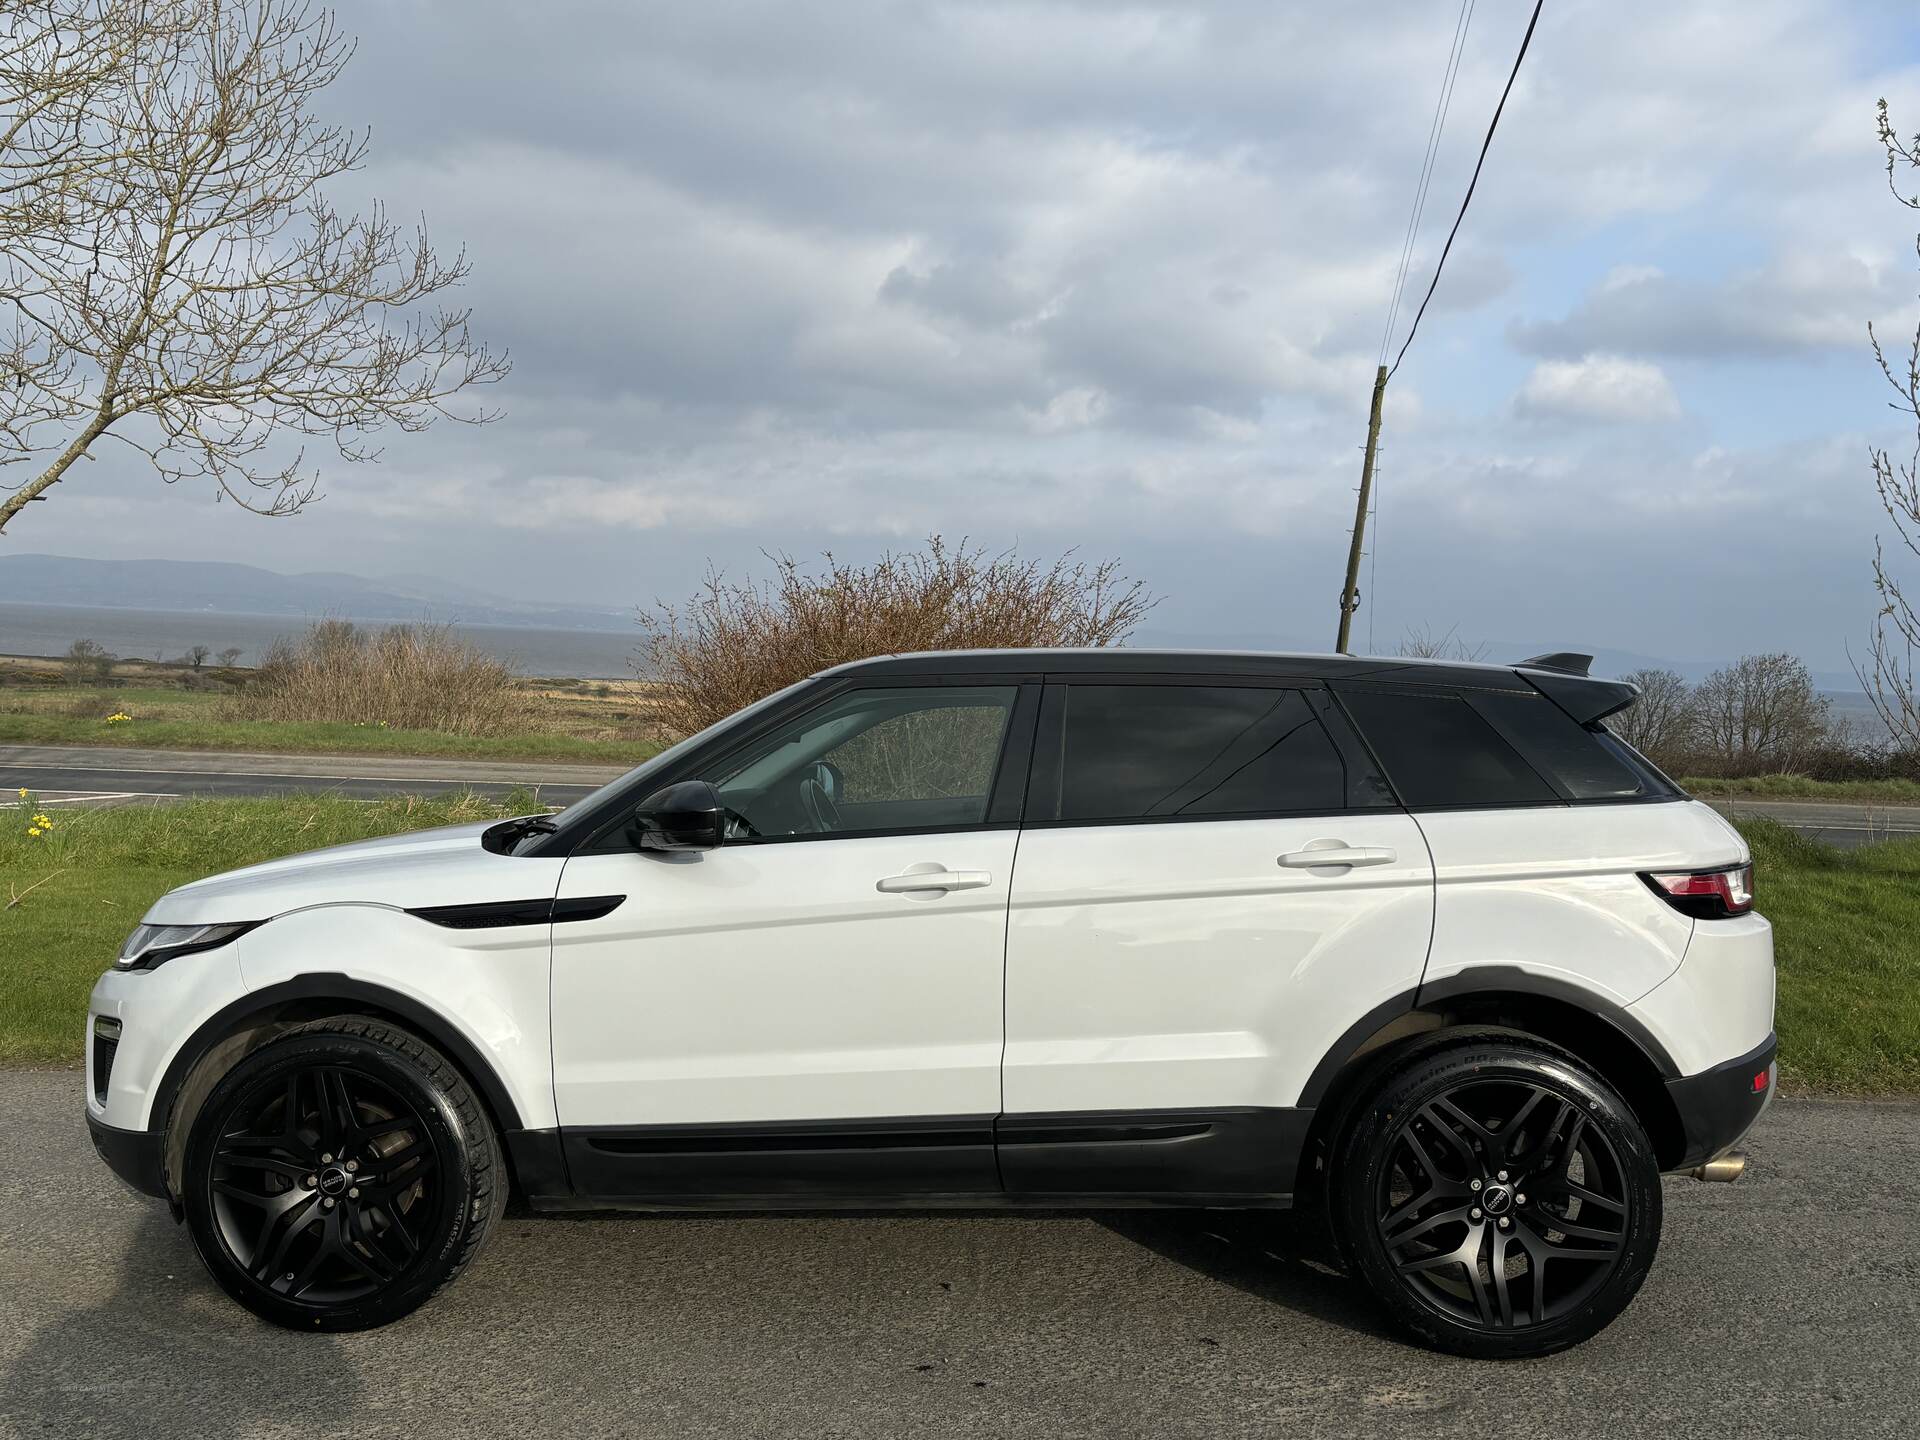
(1788, 1304)
(88, 775)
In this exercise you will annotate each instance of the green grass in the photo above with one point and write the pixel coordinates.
(1846, 922)
(1847, 943)
(85, 885)
(196, 732)
(1799, 787)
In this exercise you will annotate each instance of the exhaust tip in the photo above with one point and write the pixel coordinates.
(1722, 1171)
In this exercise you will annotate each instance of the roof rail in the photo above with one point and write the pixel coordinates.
(1567, 662)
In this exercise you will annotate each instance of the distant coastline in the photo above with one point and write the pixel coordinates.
(29, 628)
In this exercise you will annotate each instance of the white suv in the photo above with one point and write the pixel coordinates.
(1420, 942)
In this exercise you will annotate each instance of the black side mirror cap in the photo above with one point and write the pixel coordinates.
(686, 816)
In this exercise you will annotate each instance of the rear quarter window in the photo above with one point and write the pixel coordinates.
(1585, 764)
(1439, 752)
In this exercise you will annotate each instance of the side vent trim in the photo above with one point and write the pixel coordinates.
(498, 914)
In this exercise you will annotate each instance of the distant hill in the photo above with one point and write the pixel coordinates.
(218, 587)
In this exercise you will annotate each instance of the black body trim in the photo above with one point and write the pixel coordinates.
(1219, 1156)
(496, 914)
(1250, 1153)
(136, 1156)
(1511, 979)
(778, 1163)
(325, 985)
(1718, 1106)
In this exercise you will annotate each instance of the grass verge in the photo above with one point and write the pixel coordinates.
(70, 896)
(286, 737)
(1846, 922)
(1799, 787)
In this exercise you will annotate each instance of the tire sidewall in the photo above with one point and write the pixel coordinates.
(1367, 1149)
(453, 1200)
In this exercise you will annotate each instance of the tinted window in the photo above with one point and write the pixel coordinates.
(1556, 745)
(920, 757)
(1139, 751)
(1437, 751)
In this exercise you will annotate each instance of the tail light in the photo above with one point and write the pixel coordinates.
(1706, 894)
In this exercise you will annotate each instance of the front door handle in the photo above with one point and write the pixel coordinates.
(934, 877)
(1315, 856)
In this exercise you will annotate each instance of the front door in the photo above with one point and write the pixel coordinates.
(816, 1007)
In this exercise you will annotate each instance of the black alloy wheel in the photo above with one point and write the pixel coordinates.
(1510, 1203)
(340, 1175)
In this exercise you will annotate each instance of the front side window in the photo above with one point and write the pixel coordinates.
(1137, 752)
(914, 758)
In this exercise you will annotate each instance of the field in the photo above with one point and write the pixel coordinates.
(1847, 922)
(169, 707)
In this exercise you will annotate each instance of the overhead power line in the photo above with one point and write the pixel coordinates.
(1442, 103)
(1467, 199)
(1350, 592)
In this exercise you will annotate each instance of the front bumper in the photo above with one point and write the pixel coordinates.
(136, 1156)
(1718, 1106)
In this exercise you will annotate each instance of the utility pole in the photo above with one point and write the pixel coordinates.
(1350, 596)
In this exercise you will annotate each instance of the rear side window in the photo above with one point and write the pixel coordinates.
(1584, 763)
(1134, 752)
(1437, 751)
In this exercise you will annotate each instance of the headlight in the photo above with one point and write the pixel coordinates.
(153, 945)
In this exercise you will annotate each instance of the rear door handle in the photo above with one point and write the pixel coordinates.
(1343, 855)
(933, 878)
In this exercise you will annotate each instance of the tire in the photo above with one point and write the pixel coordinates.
(1455, 1141)
(340, 1176)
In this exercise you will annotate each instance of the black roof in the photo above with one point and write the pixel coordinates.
(1562, 676)
(1121, 660)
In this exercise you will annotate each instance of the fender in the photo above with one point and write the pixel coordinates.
(1489, 982)
(330, 986)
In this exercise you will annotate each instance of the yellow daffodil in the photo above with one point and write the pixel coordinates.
(33, 832)
(23, 792)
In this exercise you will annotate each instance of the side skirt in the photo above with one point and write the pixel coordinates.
(1224, 1157)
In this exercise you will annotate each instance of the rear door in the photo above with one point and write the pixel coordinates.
(1213, 884)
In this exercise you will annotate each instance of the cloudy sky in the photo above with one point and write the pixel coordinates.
(1114, 276)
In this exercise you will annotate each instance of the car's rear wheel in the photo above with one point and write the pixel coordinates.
(339, 1176)
(1499, 1198)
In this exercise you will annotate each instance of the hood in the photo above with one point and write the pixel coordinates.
(427, 867)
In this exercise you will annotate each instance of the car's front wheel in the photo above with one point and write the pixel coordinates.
(1499, 1198)
(340, 1175)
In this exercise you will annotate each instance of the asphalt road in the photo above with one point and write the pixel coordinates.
(88, 775)
(1788, 1304)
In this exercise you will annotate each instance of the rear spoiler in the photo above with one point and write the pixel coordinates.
(1564, 678)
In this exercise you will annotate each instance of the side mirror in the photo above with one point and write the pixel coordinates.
(687, 816)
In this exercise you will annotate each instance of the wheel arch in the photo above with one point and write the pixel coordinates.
(257, 1017)
(1506, 1000)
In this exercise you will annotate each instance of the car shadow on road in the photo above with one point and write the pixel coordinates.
(1284, 1257)
(164, 1353)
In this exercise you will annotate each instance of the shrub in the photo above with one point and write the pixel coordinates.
(406, 677)
(733, 643)
(88, 661)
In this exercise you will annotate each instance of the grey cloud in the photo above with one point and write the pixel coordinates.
(1794, 305)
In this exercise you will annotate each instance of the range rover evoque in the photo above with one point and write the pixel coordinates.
(1421, 943)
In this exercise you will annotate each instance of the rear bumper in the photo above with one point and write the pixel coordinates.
(136, 1156)
(1718, 1106)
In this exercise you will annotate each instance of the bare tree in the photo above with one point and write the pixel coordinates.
(1759, 714)
(735, 642)
(228, 656)
(196, 656)
(1661, 723)
(1423, 644)
(176, 278)
(1887, 675)
(87, 660)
